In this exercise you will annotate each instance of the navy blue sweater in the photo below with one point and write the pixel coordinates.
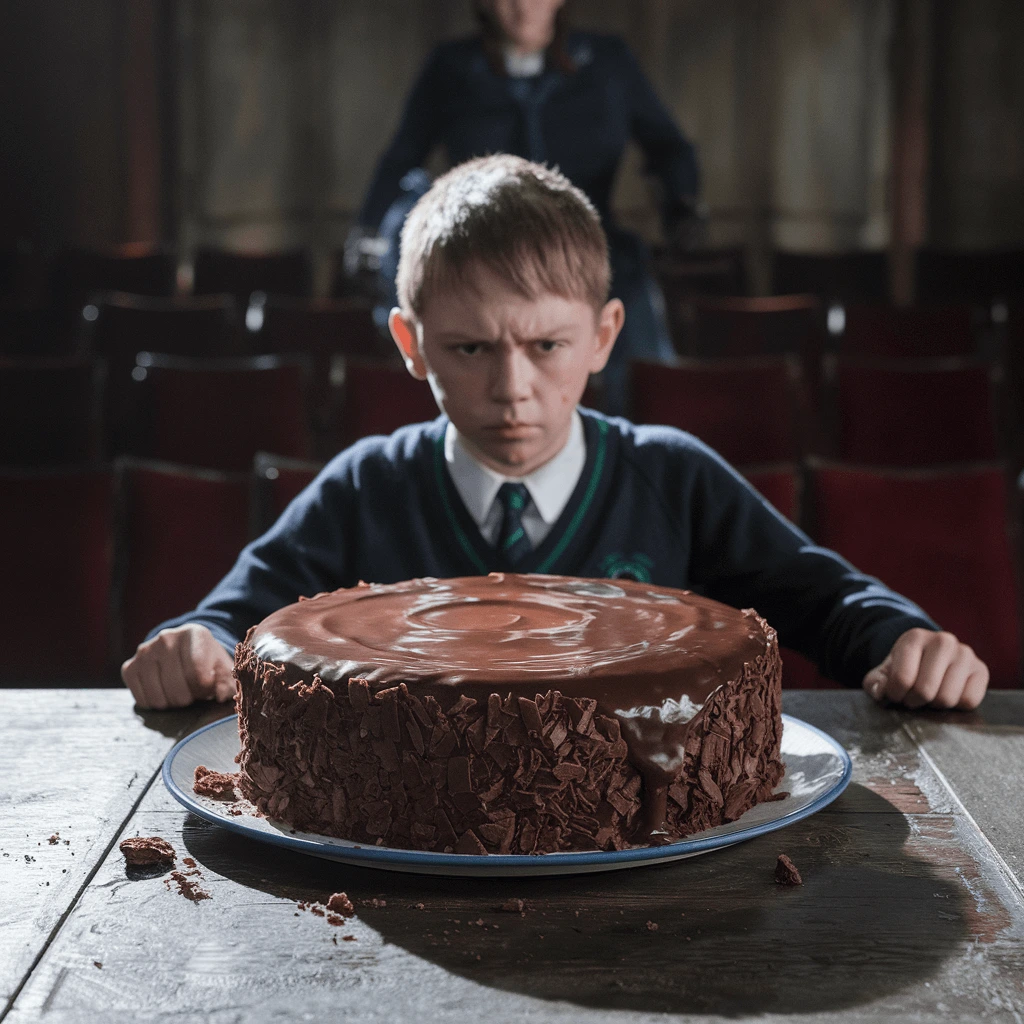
(653, 503)
(579, 122)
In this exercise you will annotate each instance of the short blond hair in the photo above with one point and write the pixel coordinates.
(525, 223)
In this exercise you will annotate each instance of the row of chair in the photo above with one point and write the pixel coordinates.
(218, 412)
(95, 557)
(973, 276)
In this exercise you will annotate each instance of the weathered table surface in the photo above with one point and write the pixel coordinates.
(912, 905)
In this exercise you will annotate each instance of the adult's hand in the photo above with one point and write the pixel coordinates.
(929, 668)
(179, 666)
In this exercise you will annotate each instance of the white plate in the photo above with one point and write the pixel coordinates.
(817, 771)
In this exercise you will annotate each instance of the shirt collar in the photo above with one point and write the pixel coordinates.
(550, 485)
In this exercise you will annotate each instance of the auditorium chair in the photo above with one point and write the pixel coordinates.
(979, 276)
(749, 410)
(858, 276)
(49, 411)
(321, 327)
(914, 412)
(56, 549)
(894, 332)
(379, 398)
(218, 413)
(276, 481)
(939, 536)
(32, 331)
(217, 270)
(179, 531)
(779, 483)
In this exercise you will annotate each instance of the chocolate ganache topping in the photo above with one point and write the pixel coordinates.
(651, 656)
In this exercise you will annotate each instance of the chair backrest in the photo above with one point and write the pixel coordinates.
(322, 327)
(380, 398)
(138, 269)
(908, 332)
(218, 413)
(780, 484)
(276, 481)
(860, 276)
(49, 412)
(180, 530)
(938, 536)
(749, 410)
(914, 412)
(241, 273)
(976, 276)
(56, 549)
(758, 326)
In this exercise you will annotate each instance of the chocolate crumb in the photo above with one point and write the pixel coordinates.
(417, 906)
(777, 796)
(189, 862)
(339, 903)
(513, 906)
(652, 926)
(319, 911)
(334, 939)
(377, 903)
(348, 938)
(786, 872)
(188, 888)
(54, 839)
(335, 919)
(142, 850)
(98, 963)
(218, 785)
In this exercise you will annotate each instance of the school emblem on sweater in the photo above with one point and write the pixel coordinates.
(618, 566)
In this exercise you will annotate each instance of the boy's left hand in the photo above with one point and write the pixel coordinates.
(925, 667)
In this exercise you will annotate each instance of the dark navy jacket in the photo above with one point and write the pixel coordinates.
(579, 122)
(653, 503)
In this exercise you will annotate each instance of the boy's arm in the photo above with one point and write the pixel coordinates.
(190, 657)
(857, 630)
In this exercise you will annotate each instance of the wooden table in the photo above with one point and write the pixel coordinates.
(912, 905)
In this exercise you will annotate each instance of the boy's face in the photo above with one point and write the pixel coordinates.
(508, 370)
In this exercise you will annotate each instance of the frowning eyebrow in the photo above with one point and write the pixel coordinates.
(540, 335)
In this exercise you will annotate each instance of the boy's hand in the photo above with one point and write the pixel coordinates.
(179, 666)
(925, 667)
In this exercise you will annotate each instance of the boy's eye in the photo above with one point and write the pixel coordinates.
(547, 345)
(469, 348)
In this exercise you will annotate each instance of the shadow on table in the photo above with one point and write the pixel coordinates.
(868, 921)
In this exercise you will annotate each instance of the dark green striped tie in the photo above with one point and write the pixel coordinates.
(513, 544)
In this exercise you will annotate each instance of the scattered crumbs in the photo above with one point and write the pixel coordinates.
(335, 919)
(67, 842)
(141, 851)
(339, 903)
(189, 862)
(54, 839)
(301, 905)
(188, 887)
(376, 903)
(513, 906)
(652, 926)
(687, 938)
(348, 938)
(98, 963)
(417, 906)
(218, 785)
(576, 913)
(777, 796)
(479, 922)
(334, 939)
(319, 911)
(28, 859)
(786, 872)
(296, 913)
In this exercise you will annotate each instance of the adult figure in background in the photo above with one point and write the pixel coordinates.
(527, 85)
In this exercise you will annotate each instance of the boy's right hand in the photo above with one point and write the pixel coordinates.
(179, 666)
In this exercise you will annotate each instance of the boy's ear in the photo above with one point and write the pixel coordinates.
(609, 323)
(406, 336)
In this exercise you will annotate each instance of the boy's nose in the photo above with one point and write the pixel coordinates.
(511, 379)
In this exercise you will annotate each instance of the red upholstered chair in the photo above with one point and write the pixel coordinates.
(218, 413)
(49, 412)
(976, 276)
(380, 398)
(940, 537)
(749, 410)
(181, 529)
(780, 484)
(834, 277)
(56, 549)
(242, 273)
(758, 326)
(276, 481)
(321, 327)
(138, 269)
(908, 332)
(915, 413)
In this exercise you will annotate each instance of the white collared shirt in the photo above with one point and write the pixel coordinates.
(550, 486)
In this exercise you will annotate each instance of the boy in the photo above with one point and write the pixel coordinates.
(503, 284)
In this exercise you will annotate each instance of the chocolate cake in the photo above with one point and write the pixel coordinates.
(509, 714)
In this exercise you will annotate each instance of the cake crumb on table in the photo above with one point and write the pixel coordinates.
(54, 839)
(513, 906)
(339, 903)
(786, 872)
(652, 926)
(140, 851)
(218, 785)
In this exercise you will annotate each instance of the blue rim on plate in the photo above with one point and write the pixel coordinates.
(225, 744)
